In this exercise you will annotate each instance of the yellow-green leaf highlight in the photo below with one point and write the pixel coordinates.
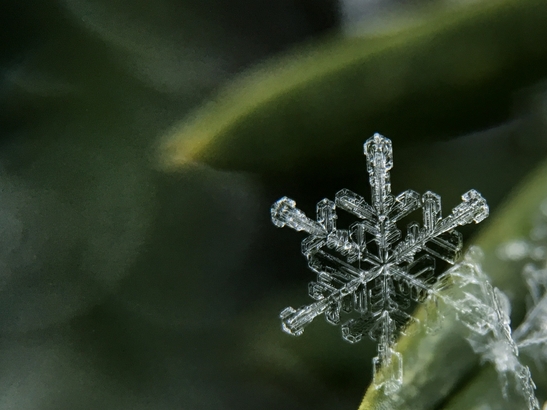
(448, 72)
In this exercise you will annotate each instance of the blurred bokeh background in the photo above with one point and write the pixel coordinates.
(125, 286)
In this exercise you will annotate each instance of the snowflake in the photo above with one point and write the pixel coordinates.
(367, 268)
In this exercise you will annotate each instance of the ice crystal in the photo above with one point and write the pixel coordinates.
(534, 247)
(485, 311)
(367, 269)
(531, 335)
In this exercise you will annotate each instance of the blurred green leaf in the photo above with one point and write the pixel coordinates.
(448, 72)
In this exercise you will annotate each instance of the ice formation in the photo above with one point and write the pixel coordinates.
(367, 269)
(534, 247)
(485, 311)
(531, 335)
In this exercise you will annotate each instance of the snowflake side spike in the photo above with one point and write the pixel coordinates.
(367, 269)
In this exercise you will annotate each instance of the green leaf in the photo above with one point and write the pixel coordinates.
(435, 365)
(448, 72)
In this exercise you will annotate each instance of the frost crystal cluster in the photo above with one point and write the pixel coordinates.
(368, 269)
(485, 311)
(531, 335)
(533, 248)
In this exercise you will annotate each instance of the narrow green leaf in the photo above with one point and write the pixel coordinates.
(450, 71)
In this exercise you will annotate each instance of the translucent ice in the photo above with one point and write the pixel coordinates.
(368, 270)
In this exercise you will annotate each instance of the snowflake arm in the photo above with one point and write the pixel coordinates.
(362, 270)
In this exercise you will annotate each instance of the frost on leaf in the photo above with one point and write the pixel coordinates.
(485, 311)
(534, 247)
(368, 269)
(531, 335)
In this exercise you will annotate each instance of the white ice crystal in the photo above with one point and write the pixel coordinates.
(531, 335)
(485, 310)
(534, 247)
(367, 269)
